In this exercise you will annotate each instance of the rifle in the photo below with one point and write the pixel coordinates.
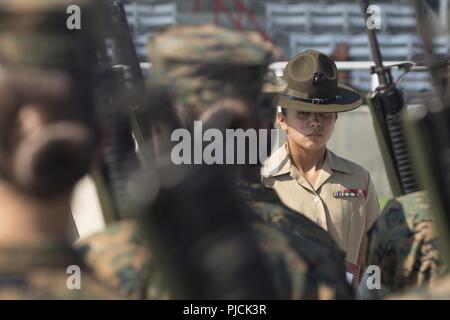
(386, 104)
(430, 136)
(121, 95)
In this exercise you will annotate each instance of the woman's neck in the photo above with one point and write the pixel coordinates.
(29, 220)
(306, 160)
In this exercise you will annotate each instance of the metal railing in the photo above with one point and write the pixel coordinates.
(350, 66)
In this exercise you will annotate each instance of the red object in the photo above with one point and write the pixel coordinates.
(242, 10)
(356, 191)
(197, 6)
(216, 6)
(352, 269)
(241, 7)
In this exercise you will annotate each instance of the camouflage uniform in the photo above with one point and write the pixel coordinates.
(120, 258)
(35, 49)
(310, 265)
(38, 271)
(439, 290)
(404, 245)
(199, 66)
(324, 260)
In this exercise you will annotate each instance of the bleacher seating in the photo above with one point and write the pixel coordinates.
(414, 81)
(311, 17)
(146, 18)
(442, 45)
(398, 17)
(393, 47)
(140, 43)
(281, 17)
(315, 25)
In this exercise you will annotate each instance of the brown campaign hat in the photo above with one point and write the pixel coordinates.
(313, 86)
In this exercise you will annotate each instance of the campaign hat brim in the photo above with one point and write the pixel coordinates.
(349, 100)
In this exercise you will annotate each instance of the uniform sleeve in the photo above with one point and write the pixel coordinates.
(372, 205)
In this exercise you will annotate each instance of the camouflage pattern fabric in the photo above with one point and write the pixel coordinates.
(119, 257)
(438, 290)
(289, 269)
(306, 262)
(404, 245)
(39, 272)
(200, 65)
(324, 259)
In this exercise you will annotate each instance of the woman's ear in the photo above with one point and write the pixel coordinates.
(282, 120)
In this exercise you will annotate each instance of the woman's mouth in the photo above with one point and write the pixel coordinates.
(314, 135)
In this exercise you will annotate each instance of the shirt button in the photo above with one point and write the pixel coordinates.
(319, 222)
(316, 199)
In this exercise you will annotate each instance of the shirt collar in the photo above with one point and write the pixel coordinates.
(336, 163)
(279, 163)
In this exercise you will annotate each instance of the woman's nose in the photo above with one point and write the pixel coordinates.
(315, 119)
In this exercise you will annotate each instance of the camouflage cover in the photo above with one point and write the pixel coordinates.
(38, 271)
(203, 64)
(404, 245)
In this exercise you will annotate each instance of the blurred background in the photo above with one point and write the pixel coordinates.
(336, 28)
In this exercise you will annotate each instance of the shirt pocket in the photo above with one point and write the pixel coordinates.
(344, 213)
(340, 211)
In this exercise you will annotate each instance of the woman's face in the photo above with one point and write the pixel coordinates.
(308, 130)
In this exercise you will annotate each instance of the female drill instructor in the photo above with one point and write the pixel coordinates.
(334, 192)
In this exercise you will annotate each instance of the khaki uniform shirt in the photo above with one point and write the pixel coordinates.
(343, 201)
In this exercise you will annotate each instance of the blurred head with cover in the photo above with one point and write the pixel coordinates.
(212, 74)
(48, 132)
